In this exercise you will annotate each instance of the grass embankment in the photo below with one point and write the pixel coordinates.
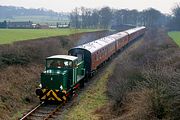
(12, 35)
(175, 36)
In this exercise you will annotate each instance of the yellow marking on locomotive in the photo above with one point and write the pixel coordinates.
(51, 98)
(64, 97)
(43, 90)
(54, 95)
(49, 93)
(44, 97)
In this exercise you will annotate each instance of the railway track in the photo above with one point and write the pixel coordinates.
(45, 111)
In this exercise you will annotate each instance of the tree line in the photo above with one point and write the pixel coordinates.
(174, 22)
(106, 17)
(11, 11)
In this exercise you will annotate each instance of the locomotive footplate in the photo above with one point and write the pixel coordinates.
(51, 95)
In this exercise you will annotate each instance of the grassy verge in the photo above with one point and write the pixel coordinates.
(12, 35)
(92, 98)
(175, 36)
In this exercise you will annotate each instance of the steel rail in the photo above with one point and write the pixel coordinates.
(33, 110)
(53, 112)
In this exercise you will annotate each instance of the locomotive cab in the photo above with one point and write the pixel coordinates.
(62, 72)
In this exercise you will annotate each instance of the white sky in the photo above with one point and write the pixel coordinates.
(165, 6)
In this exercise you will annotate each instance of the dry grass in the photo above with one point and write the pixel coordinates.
(15, 86)
(21, 64)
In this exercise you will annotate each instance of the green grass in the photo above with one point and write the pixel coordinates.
(11, 35)
(175, 36)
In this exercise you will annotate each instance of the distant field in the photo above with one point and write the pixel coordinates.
(175, 36)
(12, 35)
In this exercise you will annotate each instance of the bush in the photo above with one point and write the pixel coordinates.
(27, 52)
(149, 77)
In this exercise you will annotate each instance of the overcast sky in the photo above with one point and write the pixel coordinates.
(165, 6)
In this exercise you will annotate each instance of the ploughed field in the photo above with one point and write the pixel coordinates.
(11, 35)
(175, 36)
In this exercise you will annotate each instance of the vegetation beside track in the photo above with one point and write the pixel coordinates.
(145, 86)
(13, 35)
(175, 36)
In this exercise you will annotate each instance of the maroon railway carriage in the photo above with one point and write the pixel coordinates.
(95, 53)
(135, 33)
(99, 51)
(121, 40)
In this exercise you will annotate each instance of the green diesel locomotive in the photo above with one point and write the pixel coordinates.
(63, 74)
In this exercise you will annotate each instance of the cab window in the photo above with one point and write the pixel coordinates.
(59, 63)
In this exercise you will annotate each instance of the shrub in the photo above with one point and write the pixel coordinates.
(149, 77)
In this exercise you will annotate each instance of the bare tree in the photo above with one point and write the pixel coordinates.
(105, 17)
(152, 17)
(74, 18)
(176, 18)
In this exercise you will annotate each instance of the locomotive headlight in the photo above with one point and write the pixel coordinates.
(40, 85)
(61, 87)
